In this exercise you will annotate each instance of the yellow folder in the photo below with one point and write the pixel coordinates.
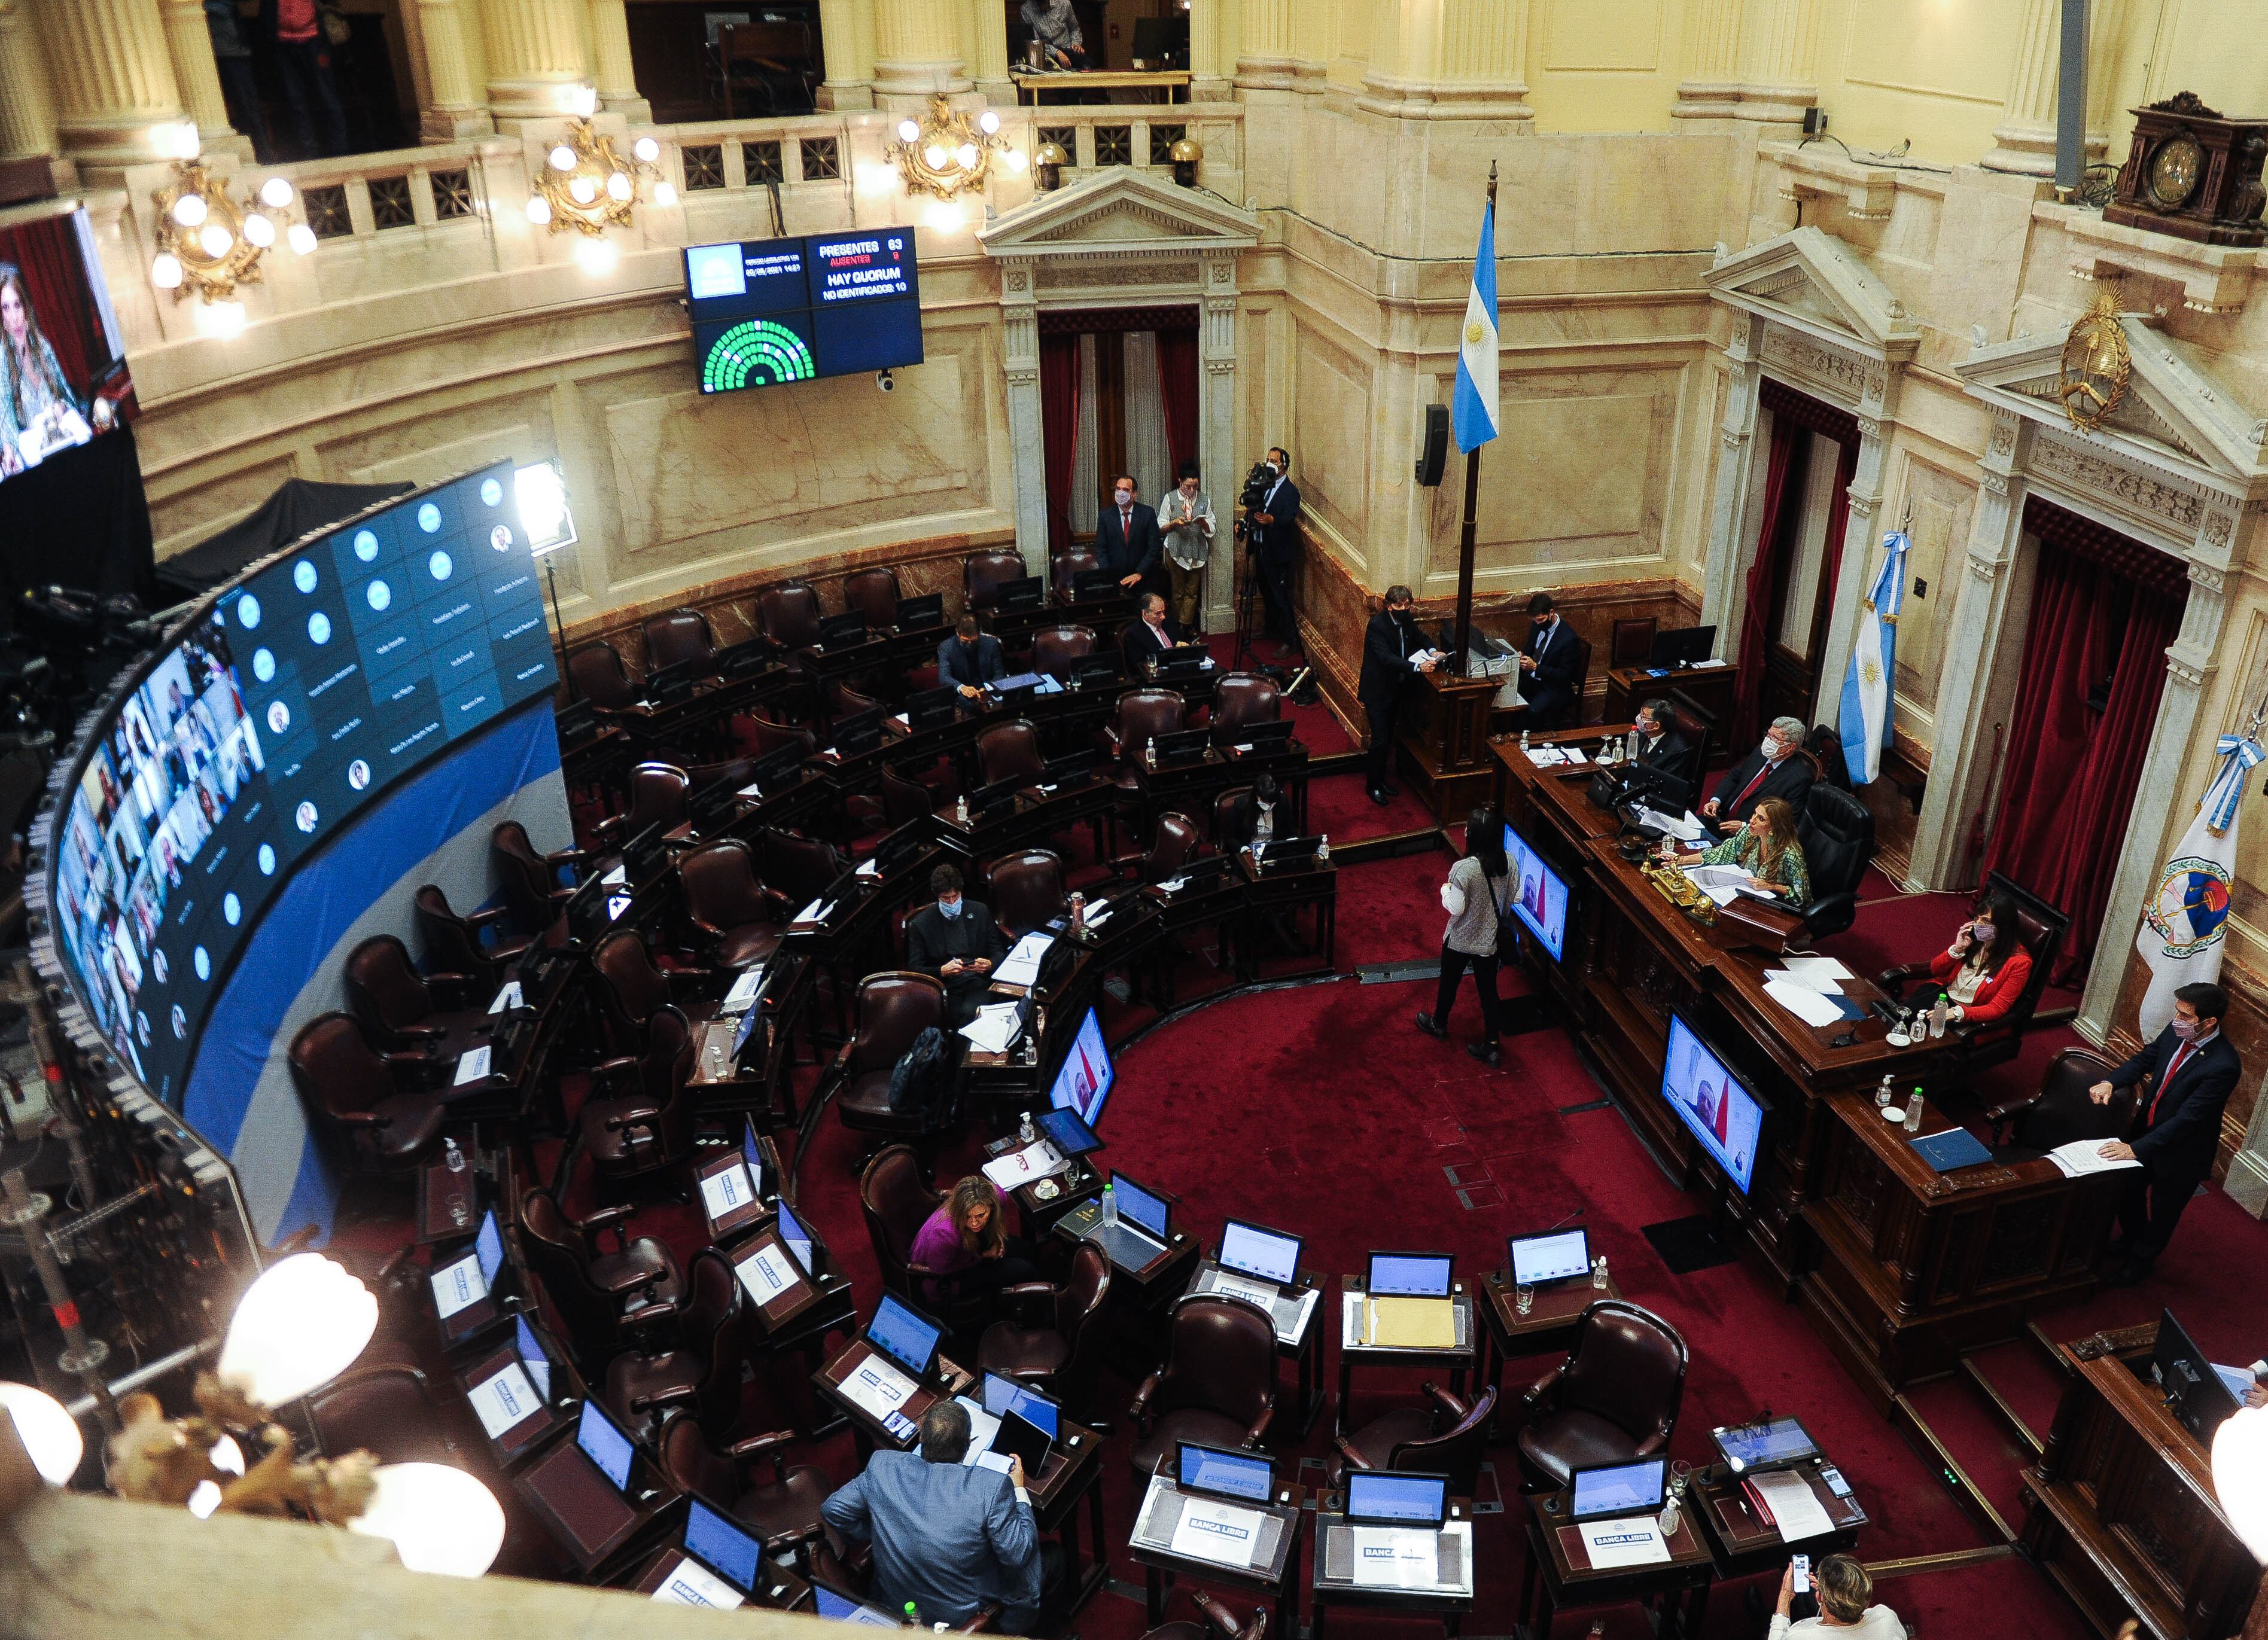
(1399, 1323)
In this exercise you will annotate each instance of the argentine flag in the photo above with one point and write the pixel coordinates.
(1865, 723)
(1473, 410)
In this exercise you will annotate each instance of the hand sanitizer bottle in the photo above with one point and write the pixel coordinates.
(1026, 1133)
(960, 810)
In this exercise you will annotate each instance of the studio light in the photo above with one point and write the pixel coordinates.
(945, 153)
(541, 491)
(2240, 1476)
(438, 1518)
(1048, 162)
(296, 1328)
(49, 1434)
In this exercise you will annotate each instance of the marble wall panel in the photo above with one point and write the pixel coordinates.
(1331, 432)
(1942, 502)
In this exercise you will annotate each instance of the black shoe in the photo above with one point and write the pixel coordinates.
(1431, 1027)
(1379, 797)
(1391, 789)
(1487, 1053)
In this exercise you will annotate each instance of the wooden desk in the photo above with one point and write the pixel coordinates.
(1442, 727)
(1917, 1267)
(1459, 1359)
(1559, 1573)
(1329, 1591)
(1708, 688)
(1548, 1328)
(1746, 1546)
(1278, 1575)
(1158, 1283)
(2120, 1509)
(1072, 1475)
(866, 1429)
(1276, 895)
(1167, 80)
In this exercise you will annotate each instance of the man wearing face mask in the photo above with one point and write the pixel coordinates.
(2183, 1082)
(1549, 675)
(1391, 652)
(1660, 746)
(1126, 536)
(1776, 768)
(955, 940)
(1152, 633)
(969, 659)
(1274, 526)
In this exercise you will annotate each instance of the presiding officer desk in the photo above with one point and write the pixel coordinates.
(1902, 1270)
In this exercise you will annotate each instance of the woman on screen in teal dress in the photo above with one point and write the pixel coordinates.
(39, 412)
(1768, 850)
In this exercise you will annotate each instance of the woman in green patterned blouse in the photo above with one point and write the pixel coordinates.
(1768, 850)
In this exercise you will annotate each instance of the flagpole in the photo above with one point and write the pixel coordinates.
(1464, 639)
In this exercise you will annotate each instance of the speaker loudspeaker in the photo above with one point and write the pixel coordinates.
(1434, 453)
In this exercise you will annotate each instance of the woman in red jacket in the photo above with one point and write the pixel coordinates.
(1986, 966)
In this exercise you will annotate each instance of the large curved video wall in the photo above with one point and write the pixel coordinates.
(282, 706)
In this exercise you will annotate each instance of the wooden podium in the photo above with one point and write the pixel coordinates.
(1442, 728)
(2120, 1509)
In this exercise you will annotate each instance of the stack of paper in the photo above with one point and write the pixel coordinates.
(2083, 1156)
(1821, 974)
(1398, 1323)
(1022, 966)
(1023, 1167)
(993, 1028)
(1553, 756)
(1801, 1000)
(1721, 883)
(1795, 1508)
(1687, 830)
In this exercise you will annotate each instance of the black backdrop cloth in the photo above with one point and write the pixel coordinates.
(298, 506)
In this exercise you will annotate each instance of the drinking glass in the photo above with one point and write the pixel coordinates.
(1681, 1476)
(1524, 1297)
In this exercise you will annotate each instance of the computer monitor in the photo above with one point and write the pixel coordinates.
(926, 610)
(535, 1359)
(931, 708)
(1145, 1209)
(1685, 646)
(1070, 1136)
(604, 1444)
(1025, 592)
(752, 1152)
(1182, 745)
(1070, 765)
(1618, 1489)
(1551, 1255)
(842, 631)
(1408, 1276)
(1248, 1477)
(904, 1335)
(722, 1547)
(488, 1246)
(1084, 1082)
(843, 1609)
(1092, 671)
(1268, 1255)
(2195, 1394)
(1087, 585)
(1767, 1444)
(1713, 1104)
(1539, 894)
(860, 731)
(774, 770)
(1382, 1497)
(797, 1238)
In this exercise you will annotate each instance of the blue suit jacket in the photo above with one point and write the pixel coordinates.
(2180, 1143)
(946, 1537)
(953, 668)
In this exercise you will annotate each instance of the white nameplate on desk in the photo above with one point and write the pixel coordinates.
(725, 1192)
(1627, 1541)
(472, 1066)
(1396, 1557)
(876, 1389)
(1220, 1533)
(506, 1401)
(508, 997)
(744, 991)
(766, 1273)
(693, 1584)
(459, 1286)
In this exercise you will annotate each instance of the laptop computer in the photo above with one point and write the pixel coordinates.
(580, 1490)
(843, 1609)
(1604, 1490)
(1262, 1267)
(1551, 1255)
(927, 610)
(1144, 1226)
(716, 1566)
(1768, 1443)
(1392, 1531)
(464, 1288)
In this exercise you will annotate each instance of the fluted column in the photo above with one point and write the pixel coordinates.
(196, 76)
(113, 76)
(2106, 33)
(1779, 51)
(1449, 60)
(536, 69)
(1712, 88)
(2025, 140)
(917, 49)
(1210, 64)
(985, 49)
(846, 36)
(28, 115)
(1268, 53)
(453, 111)
(611, 70)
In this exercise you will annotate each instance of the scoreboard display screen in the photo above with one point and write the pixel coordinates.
(285, 707)
(767, 311)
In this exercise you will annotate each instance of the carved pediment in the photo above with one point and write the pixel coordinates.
(1812, 282)
(1120, 210)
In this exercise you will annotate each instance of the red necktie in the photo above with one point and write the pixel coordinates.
(1126, 524)
(2181, 1057)
(1746, 791)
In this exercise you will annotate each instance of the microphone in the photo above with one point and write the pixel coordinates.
(1548, 1229)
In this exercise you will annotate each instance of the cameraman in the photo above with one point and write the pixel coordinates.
(1272, 502)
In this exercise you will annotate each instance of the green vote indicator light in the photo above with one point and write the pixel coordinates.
(756, 352)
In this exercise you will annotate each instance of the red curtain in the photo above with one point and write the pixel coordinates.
(2068, 782)
(1059, 430)
(55, 277)
(1177, 389)
(1746, 723)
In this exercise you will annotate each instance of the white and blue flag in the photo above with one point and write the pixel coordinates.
(2186, 918)
(1865, 722)
(1473, 411)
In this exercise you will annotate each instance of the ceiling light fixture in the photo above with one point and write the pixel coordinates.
(947, 152)
(207, 241)
(591, 186)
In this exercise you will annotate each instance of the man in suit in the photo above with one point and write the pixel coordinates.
(2183, 1080)
(955, 940)
(1391, 652)
(1152, 633)
(1776, 768)
(1126, 537)
(948, 1537)
(1660, 746)
(1551, 662)
(1274, 537)
(969, 659)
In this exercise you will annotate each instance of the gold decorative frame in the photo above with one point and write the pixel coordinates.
(2097, 366)
(949, 153)
(215, 278)
(598, 162)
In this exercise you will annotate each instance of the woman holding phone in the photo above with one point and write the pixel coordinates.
(1474, 897)
(1984, 970)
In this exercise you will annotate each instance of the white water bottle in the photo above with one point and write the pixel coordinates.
(454, 1156)
(1109, 1206)
(1936, 1018)
(1914, 1112)
(1025, 1134)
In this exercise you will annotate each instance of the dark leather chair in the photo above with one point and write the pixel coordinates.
(1615, 1398)
(409, 1012)
(452, 940)
(386, 1408)
(1447, 1437)
(532, 888)
(1065, 567)
(740, 920)
(983, 575)
(782, 1511)
(1837, 830)
(1027, 890)
(842, 701)
(597, 672)
(1048, 1342)
(904, 800)
(1218, 1386)
(676, 636)
(1175, 845)
(1245, 697)
(603, 1297)
(894, 1008)
(799, 867)
(875, 594)
(1054, 647)
(789, 614)
(1009, 751)
(1578, 707)
(1219, 1623)
(1631, 642)
(1694, 728)
(2059, 1110)
(700, 1370)
(376, 1107)
(1824, 747)
(629, 989)
(660, 795)
(896, 1199)
(639, 1118)
(1996, 1042)
(1142, 715)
